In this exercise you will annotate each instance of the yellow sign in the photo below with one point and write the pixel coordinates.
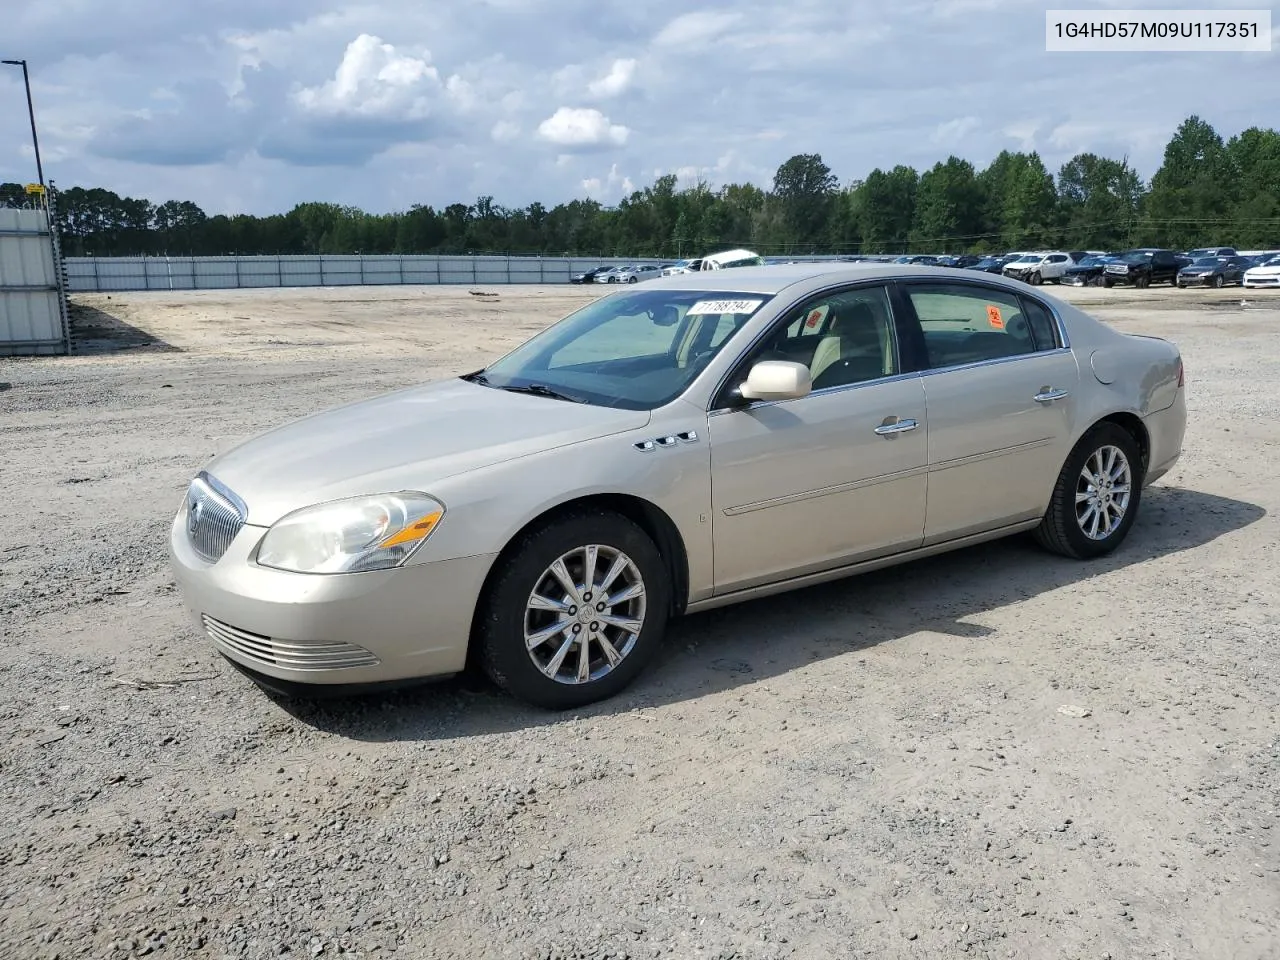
(35, 189)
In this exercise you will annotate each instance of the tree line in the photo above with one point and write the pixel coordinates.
(1207, 191)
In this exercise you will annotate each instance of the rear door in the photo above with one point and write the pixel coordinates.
(1000, 386)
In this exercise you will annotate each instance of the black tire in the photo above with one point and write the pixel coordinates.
(1060, 532)
(500, 619)
(1219, 281)
(1106, 283)
(1036, 279)
(1143, 281)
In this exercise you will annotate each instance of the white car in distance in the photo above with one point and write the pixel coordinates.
(1036, 268)
(1266, 274)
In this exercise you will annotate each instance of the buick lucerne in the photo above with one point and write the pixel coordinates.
(685, 443)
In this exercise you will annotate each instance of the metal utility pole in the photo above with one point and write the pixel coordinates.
(31, 112)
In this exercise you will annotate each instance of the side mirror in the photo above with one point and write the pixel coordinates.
(777, 380)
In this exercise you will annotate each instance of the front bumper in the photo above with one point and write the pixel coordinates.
(1255, 283)
(345, 629)
(1198, 280)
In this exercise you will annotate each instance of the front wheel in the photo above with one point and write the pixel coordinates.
(1036, 279)
(1219, 281)
(1096, 497)
(576, 611)
(1142, 282)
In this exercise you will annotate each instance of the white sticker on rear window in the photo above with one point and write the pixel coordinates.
(725, 306)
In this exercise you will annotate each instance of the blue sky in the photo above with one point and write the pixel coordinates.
(254, 105)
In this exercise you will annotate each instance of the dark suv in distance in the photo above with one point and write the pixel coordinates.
(1143, 267)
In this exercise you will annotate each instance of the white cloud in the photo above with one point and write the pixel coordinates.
(613, 186)
(616, 81)
(690, 29)
(582, 127)
(504, 131)
(952, 132)
(1024, 132)
(277, 105)
(374, 80)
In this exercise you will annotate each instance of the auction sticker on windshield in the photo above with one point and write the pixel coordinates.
(725, 306)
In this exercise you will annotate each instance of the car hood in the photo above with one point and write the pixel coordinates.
(1268, 271)
(405, 440)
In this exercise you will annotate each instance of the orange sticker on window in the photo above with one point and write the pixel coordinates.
(994, 318)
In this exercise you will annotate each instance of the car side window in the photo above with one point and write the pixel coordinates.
(964, 323)
(843, 337)
(1044, 330)
(1058, 258)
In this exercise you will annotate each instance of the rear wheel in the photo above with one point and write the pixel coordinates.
(1096, 497)
(576, 612)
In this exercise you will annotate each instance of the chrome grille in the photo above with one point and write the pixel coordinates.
(214, 517)
(282, 653)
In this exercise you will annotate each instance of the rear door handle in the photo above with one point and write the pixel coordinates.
(1048, 396)
(899, 426)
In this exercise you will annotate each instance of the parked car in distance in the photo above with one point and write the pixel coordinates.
(1213, 272)
(641, 271)
(1266, 274)
(682, 266)
(730, 260)
(1201, 252)
(1142, 267)
(989, 264)
(588, 276)
(610, 275)
(1036, 268)
(688, 443)
(1086, 272)
(918, 259)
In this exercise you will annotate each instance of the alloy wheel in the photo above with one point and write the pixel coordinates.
(585, 614)
(1103, 491)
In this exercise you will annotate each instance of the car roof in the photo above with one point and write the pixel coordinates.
(774, 279)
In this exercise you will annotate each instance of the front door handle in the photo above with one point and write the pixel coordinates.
(1048, 396)
(898, 426)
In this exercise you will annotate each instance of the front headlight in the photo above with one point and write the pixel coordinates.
(350, 536)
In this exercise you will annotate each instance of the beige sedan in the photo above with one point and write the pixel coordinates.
(678, 445)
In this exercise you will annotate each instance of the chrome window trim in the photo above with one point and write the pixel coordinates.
(994, 361)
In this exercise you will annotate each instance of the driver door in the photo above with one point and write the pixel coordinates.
(810, 484)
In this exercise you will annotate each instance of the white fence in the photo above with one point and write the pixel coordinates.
(32, 315)
(98, 274)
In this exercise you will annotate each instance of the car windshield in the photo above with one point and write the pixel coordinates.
(1134, 256)
(1206, 262)
(635, 350)
(1091, 262)
(1029, 258)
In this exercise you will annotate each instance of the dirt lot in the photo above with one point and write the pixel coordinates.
(993, 753)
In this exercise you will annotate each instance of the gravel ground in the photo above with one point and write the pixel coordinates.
(994, 753)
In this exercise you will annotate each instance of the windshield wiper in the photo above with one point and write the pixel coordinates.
(541, 390)
(476, 377)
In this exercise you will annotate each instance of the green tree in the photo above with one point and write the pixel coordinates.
(887, 204)
(948, 212)
(1099, 200)
(1194, 192)
(805, 189)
